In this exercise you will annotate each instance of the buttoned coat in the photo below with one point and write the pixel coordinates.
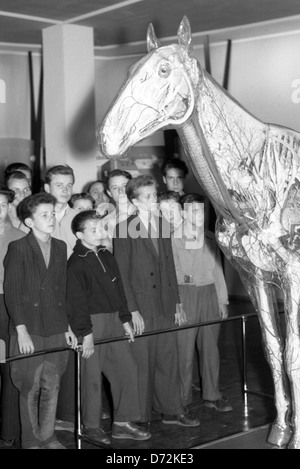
(34, 294)
(149, 279)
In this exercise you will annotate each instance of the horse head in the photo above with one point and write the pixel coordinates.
(158, 93)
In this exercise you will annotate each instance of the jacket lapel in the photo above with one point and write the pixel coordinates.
(55, 258)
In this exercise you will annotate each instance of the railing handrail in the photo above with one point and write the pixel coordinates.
(124, 337)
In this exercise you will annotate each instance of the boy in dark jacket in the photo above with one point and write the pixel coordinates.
(35, 271)
(97, 308)
(143, 251)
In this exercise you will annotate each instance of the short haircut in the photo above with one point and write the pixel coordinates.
(4, 190)
(66, 170)
(11, 168)
(15, 175)
(81, 196)
(118, 172)
(95, 182)
(169, 195)
(175, 163)
(134, 184)
(191, 198)
(80, 220)
(28, 206)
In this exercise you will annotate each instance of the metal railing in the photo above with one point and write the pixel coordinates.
(79, 436)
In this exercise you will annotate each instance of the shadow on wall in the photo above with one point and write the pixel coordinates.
(82, 133)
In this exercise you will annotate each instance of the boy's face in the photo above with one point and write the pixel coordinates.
(117, 189)
(174, 180)
(90, 236)
(146, 199)
(27, 174)
(82, 204)
(60, 186)
(21, 189)
(97, 192)
(171, 211)
(43, 220)
(194, 214)
(4, 208)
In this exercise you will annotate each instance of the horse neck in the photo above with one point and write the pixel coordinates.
(220, 136)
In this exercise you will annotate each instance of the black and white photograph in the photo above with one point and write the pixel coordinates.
(149, 227)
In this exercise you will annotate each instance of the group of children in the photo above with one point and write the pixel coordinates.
(123, 267)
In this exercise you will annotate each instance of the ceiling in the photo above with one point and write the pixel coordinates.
(124, 23)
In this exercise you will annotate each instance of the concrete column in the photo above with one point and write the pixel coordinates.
(69, 100)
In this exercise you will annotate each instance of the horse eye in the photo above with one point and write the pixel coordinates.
(164, 70)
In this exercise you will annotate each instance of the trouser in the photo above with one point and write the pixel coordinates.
(200, 305)
(157, 358)
(66, 405)
(10, 428)
(37, 379)
(115, 360)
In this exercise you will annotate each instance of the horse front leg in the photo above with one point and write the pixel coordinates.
(292, 350)
(280, 433)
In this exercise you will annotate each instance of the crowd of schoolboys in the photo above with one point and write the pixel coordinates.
(118, 259)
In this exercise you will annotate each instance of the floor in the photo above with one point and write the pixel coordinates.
(247, 418)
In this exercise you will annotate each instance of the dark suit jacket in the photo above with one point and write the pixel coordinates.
(34, 295)
(149, 280)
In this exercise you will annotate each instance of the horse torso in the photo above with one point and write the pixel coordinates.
(254, 181)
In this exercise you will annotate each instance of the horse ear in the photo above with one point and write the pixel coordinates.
(152, 41)
(184, 34)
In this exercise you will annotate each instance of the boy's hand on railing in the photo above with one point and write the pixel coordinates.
(88, 346)
(129, 331)
(180, 316)
(138, 323)
(71, 338)
(24, 340)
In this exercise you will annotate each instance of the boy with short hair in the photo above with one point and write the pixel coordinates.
(59, 181)
(18, 183)
(34, 292)
(81, 201)
(22, 167)
(204, 296)
(170, 208)
(97, 308)
(144, 255)
(122, 208)
(116, 188)
(102, 204)
(97, 190)
(9, 403)
(174, 174)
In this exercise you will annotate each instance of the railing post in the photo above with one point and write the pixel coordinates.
(244, 351)
(78, 397)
